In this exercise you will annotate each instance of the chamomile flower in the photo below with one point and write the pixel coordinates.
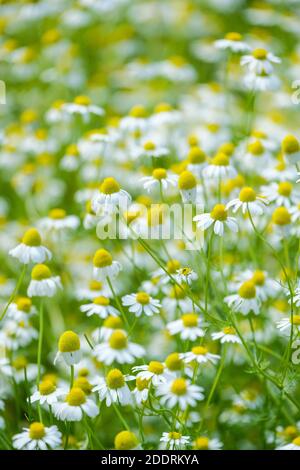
(75, 406)
(282, 194)
(218, 217)
(94, 289)
(188, 327)
(100, 307)
(38, 437)
(187, 185)
(141, 390)
(155, 373)
(232, 42)
(69, 348)
(186, 275)
(286, 323)
(248, 200)
(246, 300)
(281, 218)
(82, 105)
(110, 197)
(118, 349)
(31, 249)
(219, 168)
(227, 335)
(205, 443)
(47, 393)
(261, 82)
(136, 121)
(201, 355)
(174, 440)
(104, 266)
(294, 445)
(291, 148)
(126, 440)
(110, 324)
(151, 150)
(197, 160)
(160, 179)
(42, 283)
(260, 61)
(141, 303)
(21, 309)
(179, 392)
(113, 388)
(58, 220)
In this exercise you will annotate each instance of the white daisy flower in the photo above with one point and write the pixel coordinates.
(205, 443)
(197, 160)
(261, 82)
(58, 220)
(42, 284)
(187, 185)
(246, 300)
(37, 437)
(282, 194)
(31, 249)
(113, 388)
(159, 179)
(110, 324)
(141, 303)
(47, 393)
(93, 290)
(219, 168)
(141, 390)
(185, 275)
(291, 148)
(260, 61)
(21, 309)
(188, 327)
(248, 200)
(69, 348)
(294, 445)
(227, 335)
(110, 197)
(218, 217)
(232, 42)
(155, 373)
(265, 287)
(101, 307)
(71, 160)
(151, 150)
(104, 266)
(118, 349)
(201, 355)
(82, 105)
(75, 406)
(174, 440)
(16, 334)
(286, 323)
(179, 392)
(136, 121)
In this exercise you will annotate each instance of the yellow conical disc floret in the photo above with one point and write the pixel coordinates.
(76, 397)
(189, 320)
(142, 298)
(281, 216)
(233, 36)
(159, 173)
(221, 159)
(109, 186)
(32, 237)
(57, 214)
(247, 194)
(69, 342)
(186, 181)
(173, 361)
(102, 258)
(115, 323)
(219, 212)
(201, 443)
(260, 54)
(115, 379)
(118, 340)
(24, 304)
(179, 386)
(36, 431)
(82, 100)
(290, 144)
(104, 301)
(46, 387)
(247, 290)
(156, 367)
(196, 155)
(125, 440)
(138, 111)
(40, 272)
(83, 384)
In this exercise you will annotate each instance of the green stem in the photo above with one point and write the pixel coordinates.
(15, 291)
(40, 344)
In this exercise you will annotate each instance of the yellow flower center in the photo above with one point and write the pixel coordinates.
(109, 186)
(84, 372)
(95, 285)
(290, 144)
(256, 148)
(172, 266)
(138, 111)
(76, 397)
(83, 384)
(72, 150)
(159, 173)
(149, 145)
(82, 100)
(40, 272)
(156, 367)
(192, 140)
(125, 440)
(102, 258)
(247, 290)
(259, 278)
(221, 159)
(32, 237)
(285, 188)
(196, 155)
(141, 384)
(174, 435)
(233, 36)
(142, 298)
(115, 379)
(260, 54)
(46, 387)
(24, 304)
(219, 212)
(162, 108)
(186, 271)
(202, 443)
(296, 441)
(101, 301)
(199, 350)
(296, 319)
(187, 181)
(179, 387)
(173, 362)
(247, 195)
(118, 340)
(57, 214)
(20, 363)
(36, 431)
(113, 322)
(229, 330)
(69, 342)
(189, 320)
(290, 431)
(281, 216)
(177, 292)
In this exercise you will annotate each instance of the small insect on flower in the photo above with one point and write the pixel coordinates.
(113, 388)
(174, 440)
(31, 249)
(118, 349)
(42, 283)
(75, 406)
(188, 327)
(38, 437)
(246, 300)
(227, 335)
(104, 266)
(218, 217)
(186, 275)
(100, 307)
(69, 348)
(141, 303)
(179, 392)
(201, 355)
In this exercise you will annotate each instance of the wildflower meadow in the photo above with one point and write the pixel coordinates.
(149, 225)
